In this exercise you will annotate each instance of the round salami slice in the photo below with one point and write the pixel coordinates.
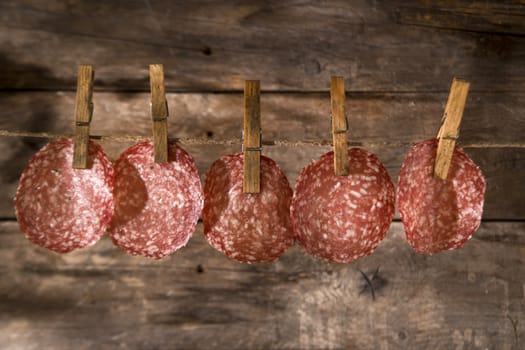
(62, 208)
(248, 227)
(342, 218)
(439, 215)
(157, 205)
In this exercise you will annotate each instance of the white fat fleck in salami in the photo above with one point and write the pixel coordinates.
(157, 205)
(62, 208)
(342, 218)
(248, 227)
(439, 215)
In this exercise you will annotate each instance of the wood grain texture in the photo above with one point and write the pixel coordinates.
(159, 112)
(286, 116)
(252, 137)
(398, 58)
(83, 115)
(449, 130)
(502, 17)
(100, 298)
(296, 46)
(339, 126)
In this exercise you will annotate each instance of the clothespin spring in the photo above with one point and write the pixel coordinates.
(251, 149)
(342, 131)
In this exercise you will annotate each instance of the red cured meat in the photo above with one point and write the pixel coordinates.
(248, 227)
(342, 218)
(157, 205)
(439, 215)
(62, 208)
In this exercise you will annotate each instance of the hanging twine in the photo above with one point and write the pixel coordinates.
(238, 141)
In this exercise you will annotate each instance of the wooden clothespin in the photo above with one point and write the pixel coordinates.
(339, 126)
(159, 112)
(83, 115)
(252, 137)
(449, 130)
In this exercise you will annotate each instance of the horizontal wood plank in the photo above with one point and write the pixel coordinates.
(502, 17)
(100, 298)
(297, 46)
(375, 118)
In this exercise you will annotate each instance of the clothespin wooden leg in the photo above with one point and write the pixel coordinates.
(339, 126)
(83, 115)
(252, 137)
(159, 112)
(448, 133)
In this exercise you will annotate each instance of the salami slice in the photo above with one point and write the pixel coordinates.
(62, 208)
(157, 205)
(248, 227)
(439, 215)
(342, 218)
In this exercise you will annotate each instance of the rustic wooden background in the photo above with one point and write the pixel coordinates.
(398, 61)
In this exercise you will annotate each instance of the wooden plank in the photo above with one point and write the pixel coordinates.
(502, 17)
(100, 298)
(212, 46)
(252, 137)
(375, 118)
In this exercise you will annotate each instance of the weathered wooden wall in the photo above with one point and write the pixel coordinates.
(99, 298)
(399, 61)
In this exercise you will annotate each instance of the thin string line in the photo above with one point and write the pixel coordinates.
(238, 141)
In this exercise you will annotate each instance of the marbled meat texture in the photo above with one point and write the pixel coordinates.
(157, 205)
(248, 227)
(62, 208)
(439, 214)
(342, 218)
